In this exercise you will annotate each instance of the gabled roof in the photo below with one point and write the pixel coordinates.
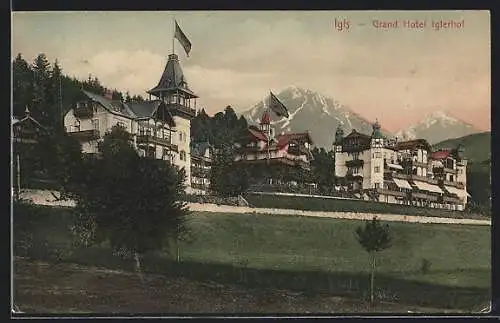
(172, 79)
(300, 138)
(355, 134)
(257, 134)
(440, 154)
(131, 110)
(108, 104)
(143, 109)
(27, 119)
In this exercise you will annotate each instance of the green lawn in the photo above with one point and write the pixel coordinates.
(300, 243)
(305, 254)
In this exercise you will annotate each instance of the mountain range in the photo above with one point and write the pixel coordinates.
(320, 115)
(313, 112)
(436, 127)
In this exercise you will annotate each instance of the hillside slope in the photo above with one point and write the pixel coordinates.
(477, 146)
(438, 126)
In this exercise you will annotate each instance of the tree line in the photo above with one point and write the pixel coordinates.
(48, 93)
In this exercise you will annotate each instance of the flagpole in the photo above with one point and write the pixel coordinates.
(173, 34)
(269, 134)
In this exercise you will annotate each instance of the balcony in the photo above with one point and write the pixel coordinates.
(420, 164)
(425, 179)
(200, 172)
(355, 163)
(149, 139)
(177, 108)
(351, 175)
(458, 185)
(26, 137)
(450, 199)
(424, 196)
(83, 111)
(401, 176)
(298, 150)
(449, 170)
(203, 187)
(390, 192)
(86, 135)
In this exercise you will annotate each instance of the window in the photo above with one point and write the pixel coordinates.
(377, 185)
(77, 125)
(355, 155)
(183, 155)
(180, 136)
(377, 169)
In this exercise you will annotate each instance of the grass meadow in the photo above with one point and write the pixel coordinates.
(428, 265)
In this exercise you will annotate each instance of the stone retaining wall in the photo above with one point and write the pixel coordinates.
(44, 197)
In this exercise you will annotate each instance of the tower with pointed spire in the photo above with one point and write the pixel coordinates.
(180, 101)
(265, 124)
(377, 157)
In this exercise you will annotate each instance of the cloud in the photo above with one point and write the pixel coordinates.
(138, 71)
(238, 56)
(133, 71)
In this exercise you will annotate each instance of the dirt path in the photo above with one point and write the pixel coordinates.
(69, 288)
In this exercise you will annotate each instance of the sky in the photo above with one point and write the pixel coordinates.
(397, 75)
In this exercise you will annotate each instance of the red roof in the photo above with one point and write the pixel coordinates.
(285, 139)
(258, 134)
(265, 118)
(441, 154)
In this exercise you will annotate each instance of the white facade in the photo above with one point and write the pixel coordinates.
(171, 144)
(402, 173)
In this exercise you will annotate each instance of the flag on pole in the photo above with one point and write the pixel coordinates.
(278, 107)
(181, 37)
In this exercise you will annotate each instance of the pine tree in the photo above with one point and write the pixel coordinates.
(127, 97)
(42, 109)
(374, 237)
(55, 95)
(22, 87)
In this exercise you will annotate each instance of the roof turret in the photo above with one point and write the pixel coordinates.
(172, 80)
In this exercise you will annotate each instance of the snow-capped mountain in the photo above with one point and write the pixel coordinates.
(436, 127)
(313, 112)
